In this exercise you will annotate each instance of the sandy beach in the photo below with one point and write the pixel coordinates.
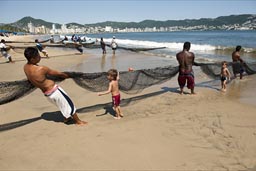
(161, 129)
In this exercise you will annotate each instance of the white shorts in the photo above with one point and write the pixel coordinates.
(6, 55)
(60, 98)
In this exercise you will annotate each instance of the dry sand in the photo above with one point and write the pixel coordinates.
(161, 130)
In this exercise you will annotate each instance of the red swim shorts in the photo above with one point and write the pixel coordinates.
(186, 77)
(116, 100)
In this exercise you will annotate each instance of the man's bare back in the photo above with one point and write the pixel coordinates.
(37, 76)
(186, 61)
(236, 57)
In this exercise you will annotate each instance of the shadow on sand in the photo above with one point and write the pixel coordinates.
(57, 116)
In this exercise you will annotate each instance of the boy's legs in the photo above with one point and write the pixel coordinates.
(222, 85)
(118, 116)
(120, 112)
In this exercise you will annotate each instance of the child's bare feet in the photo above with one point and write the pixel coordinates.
(117, 117)
(121, 115)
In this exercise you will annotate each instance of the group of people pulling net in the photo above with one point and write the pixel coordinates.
(130, 82)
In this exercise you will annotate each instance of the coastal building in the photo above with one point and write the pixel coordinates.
(108, 29)
(64, 28)
(53, 31)
(31, 27)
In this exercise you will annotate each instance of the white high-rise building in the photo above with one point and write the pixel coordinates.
(53, 31)
(108, 29)
(31, 27)
(64, 28)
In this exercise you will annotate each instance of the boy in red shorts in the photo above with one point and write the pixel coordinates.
(113, 77)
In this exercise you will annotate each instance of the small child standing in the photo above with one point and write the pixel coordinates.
(113, 77)
(225, 74)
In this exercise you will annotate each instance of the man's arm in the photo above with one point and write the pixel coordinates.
(193, 58)
(239, 58)
(52, 72)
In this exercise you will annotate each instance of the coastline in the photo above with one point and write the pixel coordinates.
(161, 129)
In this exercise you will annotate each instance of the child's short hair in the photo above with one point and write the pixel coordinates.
(31, 52)
(224, 62)
(2, 41)
(113, 73)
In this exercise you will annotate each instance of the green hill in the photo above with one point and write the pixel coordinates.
(247, 20)
(223, 20)
(23, 23)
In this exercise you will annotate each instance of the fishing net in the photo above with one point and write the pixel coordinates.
(130, 82)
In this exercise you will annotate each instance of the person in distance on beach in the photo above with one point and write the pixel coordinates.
(238, 62)
(114, 45)
(186, 74)
(37, 75)
(3, 49)
(40, 47)
(113, 77)
(224, 76)
(103, 46)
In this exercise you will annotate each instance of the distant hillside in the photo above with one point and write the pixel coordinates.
(74, 24)
(223, 20)
(23, 23)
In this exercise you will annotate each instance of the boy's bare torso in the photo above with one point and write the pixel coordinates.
(114, 87)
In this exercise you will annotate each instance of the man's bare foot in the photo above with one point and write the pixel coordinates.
(69, 121)
(81, 123)
(78, 121)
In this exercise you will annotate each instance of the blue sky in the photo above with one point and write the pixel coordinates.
(92, 11)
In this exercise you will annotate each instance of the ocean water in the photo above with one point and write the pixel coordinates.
(207, 45)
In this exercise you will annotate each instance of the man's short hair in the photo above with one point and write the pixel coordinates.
(2, 41)
(31, 52)
(238, 48)
(186, 45)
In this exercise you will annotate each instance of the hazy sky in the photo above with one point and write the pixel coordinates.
(92, 11)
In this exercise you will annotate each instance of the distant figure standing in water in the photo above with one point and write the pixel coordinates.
(103, 46)
(114, 45)
(186, 74)
(238, 63)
